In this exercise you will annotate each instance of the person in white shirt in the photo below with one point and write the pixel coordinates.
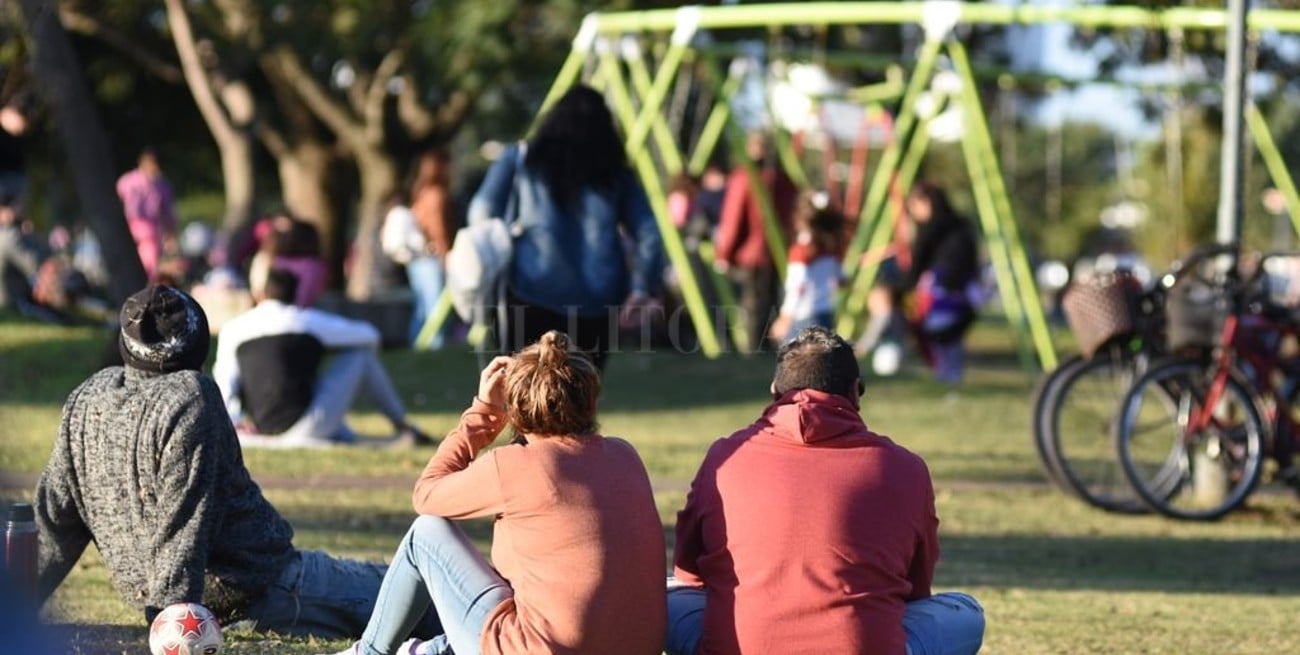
(268, 368)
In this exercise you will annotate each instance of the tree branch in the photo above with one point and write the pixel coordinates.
(373, 114)
(196, 76)
(414, 116)
(88, 26)
(273, 140)
(332, 113)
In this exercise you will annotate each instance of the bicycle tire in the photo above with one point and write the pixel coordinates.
(1040, 408)
(1075, 430)
(1180, 475)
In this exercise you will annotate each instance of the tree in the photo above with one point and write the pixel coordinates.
(227, 106)
(64, 88)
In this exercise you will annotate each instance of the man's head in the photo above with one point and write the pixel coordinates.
(281, 285)
(818, 359)
(163, 331)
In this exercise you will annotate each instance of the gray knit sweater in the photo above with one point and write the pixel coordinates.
(149, 467)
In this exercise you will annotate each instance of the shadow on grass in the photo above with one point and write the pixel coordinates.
(1124, 564)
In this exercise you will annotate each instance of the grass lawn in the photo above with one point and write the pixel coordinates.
(1054, 575)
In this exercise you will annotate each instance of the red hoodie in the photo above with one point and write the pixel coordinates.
(808, 532)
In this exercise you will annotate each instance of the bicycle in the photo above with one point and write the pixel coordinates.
(1192, 434)
(1074, 405)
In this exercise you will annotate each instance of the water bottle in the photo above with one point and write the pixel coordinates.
(20, 548)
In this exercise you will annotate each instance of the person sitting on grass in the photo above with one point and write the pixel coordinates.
(806, 532)
(578, 549)
(147, 466)
(267, 366)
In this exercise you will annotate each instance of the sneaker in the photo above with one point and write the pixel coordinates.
(408, 647)
(410, 436)
(414, 647)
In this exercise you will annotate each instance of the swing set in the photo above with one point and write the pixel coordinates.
(674, 83)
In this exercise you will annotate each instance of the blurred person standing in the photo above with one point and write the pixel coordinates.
(434, 211)
(742, 249)
(150, 208)
(573, 194)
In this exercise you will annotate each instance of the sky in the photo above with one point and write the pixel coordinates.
(1047, 49)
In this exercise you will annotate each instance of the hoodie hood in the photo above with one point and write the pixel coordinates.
(809, 416)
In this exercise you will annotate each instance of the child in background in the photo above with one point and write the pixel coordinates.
(813, 271)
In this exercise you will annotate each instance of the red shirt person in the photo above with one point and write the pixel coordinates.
(742, 248)
(806, 532)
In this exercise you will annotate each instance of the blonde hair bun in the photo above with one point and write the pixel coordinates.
(553, 349)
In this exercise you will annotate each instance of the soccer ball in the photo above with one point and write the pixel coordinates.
(185, 629)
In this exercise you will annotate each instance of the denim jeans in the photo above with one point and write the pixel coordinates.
(435, 563)
(944, 624)
(327, 597)
(426, 277)
(353, 371)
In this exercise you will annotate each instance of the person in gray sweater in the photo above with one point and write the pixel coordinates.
(147, 465)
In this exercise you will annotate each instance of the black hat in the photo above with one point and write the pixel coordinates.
(163, 330)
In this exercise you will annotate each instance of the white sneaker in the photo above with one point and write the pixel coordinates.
(414, 647)
(408, 647)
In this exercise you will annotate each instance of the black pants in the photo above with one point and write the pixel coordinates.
(757, 287)
(525, 324)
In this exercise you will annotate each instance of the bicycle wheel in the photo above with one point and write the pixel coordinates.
(1041, 399)
(1178, 468)
(1075, 430)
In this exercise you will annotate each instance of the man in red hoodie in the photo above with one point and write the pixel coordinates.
(806, 532)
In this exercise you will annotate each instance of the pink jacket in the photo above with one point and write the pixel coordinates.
(576, 535)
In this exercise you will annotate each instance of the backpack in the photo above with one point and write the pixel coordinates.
(479, 257)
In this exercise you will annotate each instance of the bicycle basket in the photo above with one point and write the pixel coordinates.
(1100, 309)
(1195, 315)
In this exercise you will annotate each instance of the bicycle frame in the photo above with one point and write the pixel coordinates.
(1253, 339)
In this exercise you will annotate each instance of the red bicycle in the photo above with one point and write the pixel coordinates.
(1193, 435)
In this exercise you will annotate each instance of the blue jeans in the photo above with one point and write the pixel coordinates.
(327, 597)
(426, 277)
(435, 562)
(943, 624)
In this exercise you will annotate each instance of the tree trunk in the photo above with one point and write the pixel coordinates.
(227, 111)
(305, 181)
(379, 179)
(58, 74)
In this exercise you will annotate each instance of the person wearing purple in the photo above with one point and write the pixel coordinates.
(150, 209)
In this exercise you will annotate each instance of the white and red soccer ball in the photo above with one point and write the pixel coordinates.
(185, 629)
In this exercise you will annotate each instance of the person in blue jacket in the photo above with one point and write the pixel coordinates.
(588, 254)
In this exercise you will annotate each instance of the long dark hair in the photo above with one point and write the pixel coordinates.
(576, 146)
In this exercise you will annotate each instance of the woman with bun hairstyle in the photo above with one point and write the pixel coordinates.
(577, 550)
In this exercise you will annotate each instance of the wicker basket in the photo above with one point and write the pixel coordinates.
(1101, 309)
(1195, 316)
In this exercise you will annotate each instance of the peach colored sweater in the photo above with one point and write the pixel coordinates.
(577, 536)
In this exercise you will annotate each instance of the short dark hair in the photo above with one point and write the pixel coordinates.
(281, 285)
(819, 359)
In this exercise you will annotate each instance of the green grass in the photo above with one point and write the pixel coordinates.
(1054, 575)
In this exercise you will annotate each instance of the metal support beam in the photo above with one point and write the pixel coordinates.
(1232, 166)
(1273, 161)
(610, 76)
(1021, 281)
